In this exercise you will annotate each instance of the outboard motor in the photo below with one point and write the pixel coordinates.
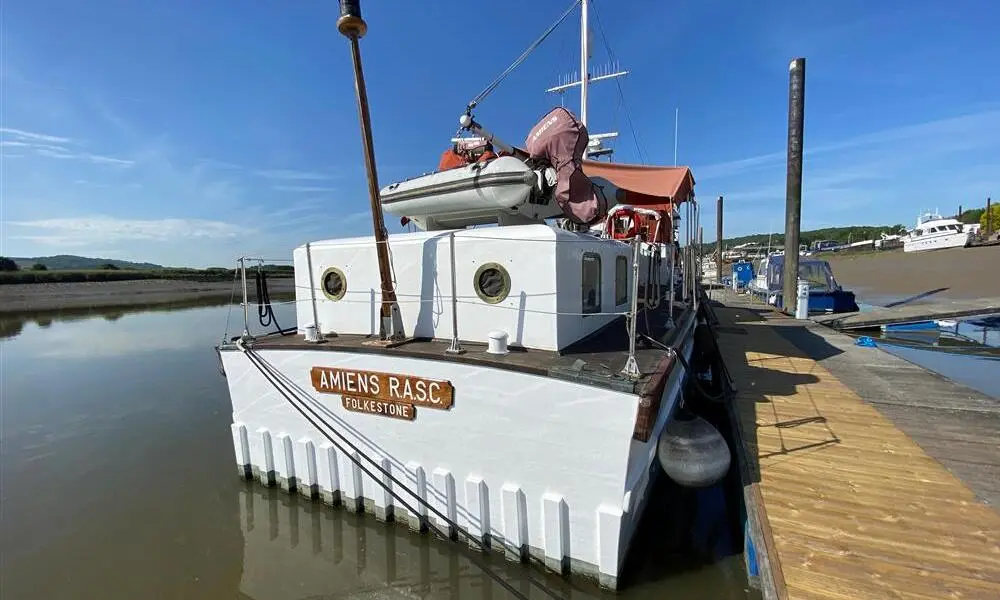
(560, 139)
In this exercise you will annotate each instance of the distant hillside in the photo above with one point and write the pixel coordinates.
(853, 233)
(69, 262)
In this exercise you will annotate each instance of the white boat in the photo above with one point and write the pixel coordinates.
(709, 270)
(934, 232)
(486, 382)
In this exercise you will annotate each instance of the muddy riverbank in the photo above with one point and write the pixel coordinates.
(958, 273)
(37, 297)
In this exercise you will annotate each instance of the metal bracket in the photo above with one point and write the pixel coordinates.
(631, 368)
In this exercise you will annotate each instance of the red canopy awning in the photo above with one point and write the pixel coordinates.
(655, 188)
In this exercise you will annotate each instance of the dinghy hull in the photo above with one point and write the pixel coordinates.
(472, 194)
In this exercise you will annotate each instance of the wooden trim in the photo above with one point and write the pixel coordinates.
(771, 576)
(651, 397)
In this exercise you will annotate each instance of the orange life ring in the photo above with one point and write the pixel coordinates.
(633, 224)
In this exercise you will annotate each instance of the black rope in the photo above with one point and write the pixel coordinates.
(520, 59)
(720, 397)
(265, 312)
(285, 390)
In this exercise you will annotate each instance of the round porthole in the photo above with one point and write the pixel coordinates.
(492, 283)
(334, 283)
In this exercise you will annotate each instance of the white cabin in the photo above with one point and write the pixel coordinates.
(544, 286)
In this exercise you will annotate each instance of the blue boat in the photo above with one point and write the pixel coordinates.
(825, 294)
(913, 326)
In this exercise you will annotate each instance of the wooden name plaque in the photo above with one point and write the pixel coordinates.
(388, 387)
(396, 410)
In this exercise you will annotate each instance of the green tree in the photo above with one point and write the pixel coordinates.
(109, 267)
(994, 217)
(39, 267)
(7, 264)
(972, 215)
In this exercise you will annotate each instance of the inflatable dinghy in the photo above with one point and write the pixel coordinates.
(532, 185)
(472, 194)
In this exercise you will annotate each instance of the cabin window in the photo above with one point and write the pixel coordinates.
(492, 283)
(591, 279)
(334, 283)
(621, 280)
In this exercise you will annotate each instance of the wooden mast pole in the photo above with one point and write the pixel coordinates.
(353, 27)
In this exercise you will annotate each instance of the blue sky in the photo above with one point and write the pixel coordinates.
(188, 133)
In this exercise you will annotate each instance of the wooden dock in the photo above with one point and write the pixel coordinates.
(853, 464)
(910, 313)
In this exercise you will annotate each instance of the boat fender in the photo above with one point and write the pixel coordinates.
(692, 452)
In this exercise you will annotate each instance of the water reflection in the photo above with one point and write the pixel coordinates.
(118, 483)
(963, 350)
(13, 324)
(297, 549)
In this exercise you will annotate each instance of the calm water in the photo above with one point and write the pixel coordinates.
(968, 353)
(118, 481)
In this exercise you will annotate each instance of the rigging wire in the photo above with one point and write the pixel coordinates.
(621, 94)
(520, 59)
(284, 388)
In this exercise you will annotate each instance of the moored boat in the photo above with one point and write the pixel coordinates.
(934, 232)
(825, 294)
(507, 385)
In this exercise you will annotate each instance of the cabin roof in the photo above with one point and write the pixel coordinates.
(510, 232)
(647, 186)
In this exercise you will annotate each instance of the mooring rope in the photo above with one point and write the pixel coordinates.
(265, 312)
(275, 379)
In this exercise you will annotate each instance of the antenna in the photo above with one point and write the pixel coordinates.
(677, 112)
(584, 79)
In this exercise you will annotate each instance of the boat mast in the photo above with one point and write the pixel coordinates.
(353, 27)
(610, 71)
(584, 62)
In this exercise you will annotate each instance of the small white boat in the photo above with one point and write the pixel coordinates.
(934, 232)
(709, 270)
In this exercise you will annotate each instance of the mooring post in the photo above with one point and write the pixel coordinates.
(793, 183)
(989, 220)
(718, 240)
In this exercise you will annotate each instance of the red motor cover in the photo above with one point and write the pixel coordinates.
(561, 139)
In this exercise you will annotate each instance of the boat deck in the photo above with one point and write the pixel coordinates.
(597, 360)
(854, 464)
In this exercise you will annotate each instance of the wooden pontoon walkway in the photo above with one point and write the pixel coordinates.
(846, 505)
(910, 313)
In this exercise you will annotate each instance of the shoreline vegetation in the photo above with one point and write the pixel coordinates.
(219, 274)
